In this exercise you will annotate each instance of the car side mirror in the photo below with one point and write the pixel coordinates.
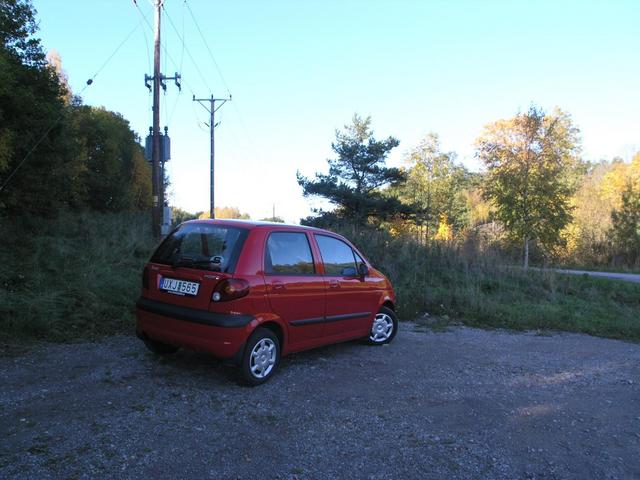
(363, 270)
(349, 272)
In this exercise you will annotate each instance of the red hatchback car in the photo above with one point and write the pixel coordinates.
(249, 292)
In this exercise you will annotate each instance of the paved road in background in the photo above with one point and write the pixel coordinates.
(467, 404)
(629, 277)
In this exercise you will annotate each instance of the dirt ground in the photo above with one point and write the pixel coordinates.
(463, 403)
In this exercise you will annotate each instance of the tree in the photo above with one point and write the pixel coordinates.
(116, 176)
(179, 215)
(32, 115)
(17, 28)
(55, 152)
(357, 175)
(530, 161)
(227, 213)
(626, 218)
(275, 219)
(626, 225)
(586, 237)
(434, 187)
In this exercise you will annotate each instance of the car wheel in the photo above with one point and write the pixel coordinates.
(160, 348)
(383, 328)
(261, 357)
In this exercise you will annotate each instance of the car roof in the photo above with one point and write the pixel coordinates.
(250, 224)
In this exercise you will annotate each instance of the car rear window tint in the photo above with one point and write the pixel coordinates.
(288, 253)
(202, 246)
(336, 255)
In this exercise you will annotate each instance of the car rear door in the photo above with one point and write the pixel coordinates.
(295, 289)
(351, 299)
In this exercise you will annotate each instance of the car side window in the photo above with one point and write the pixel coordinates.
(337, 256)
(288, 253)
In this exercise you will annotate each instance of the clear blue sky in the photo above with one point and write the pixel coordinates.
(298, 70)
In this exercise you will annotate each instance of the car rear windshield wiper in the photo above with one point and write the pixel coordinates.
(214, 262)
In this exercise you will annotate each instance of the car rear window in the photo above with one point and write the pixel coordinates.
(202, 246)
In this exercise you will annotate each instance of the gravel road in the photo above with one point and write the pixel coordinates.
(463, 403)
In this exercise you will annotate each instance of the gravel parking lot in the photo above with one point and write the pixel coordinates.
(463, 403)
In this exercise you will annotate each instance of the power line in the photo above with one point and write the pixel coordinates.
(215, 63)
(90, 81)
(185, 48)
(166, 52)
(206, 44)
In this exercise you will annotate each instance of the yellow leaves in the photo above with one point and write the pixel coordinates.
(617, 179)
(225, 213)
(479, 209)
(571, 236)
(445, 231)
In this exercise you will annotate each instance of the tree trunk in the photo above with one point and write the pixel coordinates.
(526, 253)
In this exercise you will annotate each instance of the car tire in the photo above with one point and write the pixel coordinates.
(383, 328)
(261, 357)
(160, 348)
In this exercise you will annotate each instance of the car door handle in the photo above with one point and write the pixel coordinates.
(277, 285)
(334, 284)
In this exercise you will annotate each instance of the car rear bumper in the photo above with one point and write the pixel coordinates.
(222, 335)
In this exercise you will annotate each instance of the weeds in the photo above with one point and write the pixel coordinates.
(75, 276)
(78, 276)
(482, 289)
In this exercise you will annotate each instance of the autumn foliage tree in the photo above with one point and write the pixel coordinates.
(434, 188)
(530, 161)
(626, 217)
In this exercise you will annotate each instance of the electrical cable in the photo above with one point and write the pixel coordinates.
(204, 40)
(185, 48)
(215, 63)
(175, 64)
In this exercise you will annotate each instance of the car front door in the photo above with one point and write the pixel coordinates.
(350, 300)
(296, 291)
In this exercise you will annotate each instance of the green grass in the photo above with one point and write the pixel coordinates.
(76, 276)
(480, 289)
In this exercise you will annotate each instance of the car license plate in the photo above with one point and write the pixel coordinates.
(179, 287)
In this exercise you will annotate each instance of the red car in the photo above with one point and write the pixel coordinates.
(249, 292)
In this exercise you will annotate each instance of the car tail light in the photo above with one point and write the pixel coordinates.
(145, 278)
(230, 289)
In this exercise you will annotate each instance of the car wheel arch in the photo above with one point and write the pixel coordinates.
(389, 304)
(277, 329)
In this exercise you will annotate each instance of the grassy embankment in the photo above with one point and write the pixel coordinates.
(481, 289)
(78, 277)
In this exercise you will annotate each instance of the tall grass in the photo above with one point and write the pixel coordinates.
(74, 276)
(481, 288)
(78, 276)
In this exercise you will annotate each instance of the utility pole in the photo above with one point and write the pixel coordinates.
(157, 169)
(212, 109)
(156, 181)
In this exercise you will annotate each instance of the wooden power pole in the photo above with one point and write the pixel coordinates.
(157, 176)
(156, 188)
(212, 109)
